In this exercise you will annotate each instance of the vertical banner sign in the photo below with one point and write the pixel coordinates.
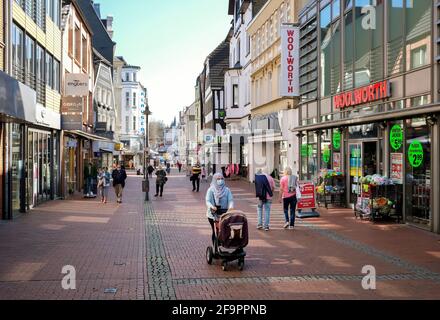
(337, 162)
(397, 167)
(289, 61)
(308, 196)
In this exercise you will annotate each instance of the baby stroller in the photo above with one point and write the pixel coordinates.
(231, 237)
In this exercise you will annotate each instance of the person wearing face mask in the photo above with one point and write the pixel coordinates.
(219, 200)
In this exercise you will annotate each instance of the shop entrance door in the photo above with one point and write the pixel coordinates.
(363, 161)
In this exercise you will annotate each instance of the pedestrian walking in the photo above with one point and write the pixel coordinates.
(264, 188)
(90, 173)
(119, 176)
(160, 181)
(204, 178)
(219, 200)
(179, 166)
(104, 178)
(195, 177)
(288, 186)
(168, 168)
(150, 170)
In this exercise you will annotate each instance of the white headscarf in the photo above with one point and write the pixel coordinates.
(219, 191)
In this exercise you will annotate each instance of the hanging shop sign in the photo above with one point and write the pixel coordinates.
(396, 137)
(308, 196)
(337, 139)
(289, 61)
(306, 150)
(397, 168)
(77, 84)
(367, 94)
(415, 154)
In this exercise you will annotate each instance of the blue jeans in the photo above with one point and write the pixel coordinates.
(290, 202)
(89, 185)
(266, 207)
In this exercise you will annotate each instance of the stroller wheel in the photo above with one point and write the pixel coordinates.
(241, 264)
(209, 255)
(224, 265)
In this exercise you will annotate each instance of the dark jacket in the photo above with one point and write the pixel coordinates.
(119, 177)
(161, 177)
(262, 187)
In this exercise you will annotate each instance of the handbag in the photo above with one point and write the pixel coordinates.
(298, 193)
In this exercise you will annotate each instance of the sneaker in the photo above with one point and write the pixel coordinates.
(266, 228)
(286, 225)
(260, 227)
(291, 228)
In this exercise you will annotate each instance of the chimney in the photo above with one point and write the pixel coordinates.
(109, 26)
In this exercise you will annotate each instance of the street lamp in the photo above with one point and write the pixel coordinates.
(147, 113)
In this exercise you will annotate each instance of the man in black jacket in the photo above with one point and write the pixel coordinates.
(119, 176)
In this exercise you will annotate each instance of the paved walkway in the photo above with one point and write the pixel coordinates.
(157, 251)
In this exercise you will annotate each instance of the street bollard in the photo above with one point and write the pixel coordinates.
(146, 189)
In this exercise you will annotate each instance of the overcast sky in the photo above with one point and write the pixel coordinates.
(169, 40)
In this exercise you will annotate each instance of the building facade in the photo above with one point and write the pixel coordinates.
(133, 106)
(78, 116)
(216, 154)
(30, 107)
(370, 99)
(237, 86)
(273, 146)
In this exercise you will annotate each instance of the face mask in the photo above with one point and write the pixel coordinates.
(220, 183)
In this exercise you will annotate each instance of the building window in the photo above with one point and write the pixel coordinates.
(85, 59)
(41, 14)
(348, 51)
(127, 77)
(49, 70)
(418, 33)
(238, 50)
(71, 36)
(30, 62)
(56, 75)
(77, 44)
(18, 53)
(134, 123)
(325, 56)
(235, 96)
(41, 84)
(134, 99)
(248, 44)
(30, 9)
(134, 77)
(127, 99)
(127, 124)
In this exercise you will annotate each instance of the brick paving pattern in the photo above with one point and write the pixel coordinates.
(157, 250)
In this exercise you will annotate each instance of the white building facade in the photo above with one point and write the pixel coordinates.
(134, 102)
(238, 85)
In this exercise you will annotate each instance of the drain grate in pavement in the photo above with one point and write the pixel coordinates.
(160, 283)
(110, 290)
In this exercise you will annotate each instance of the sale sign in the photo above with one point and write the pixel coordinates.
(308, 196)
(397, 167)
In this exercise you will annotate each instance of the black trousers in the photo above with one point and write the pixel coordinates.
(211, 222)
(159, 187)
(196, 182)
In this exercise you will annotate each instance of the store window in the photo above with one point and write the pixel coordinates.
(309, 156)
(16, 167)
(418, 173)
(326, 153)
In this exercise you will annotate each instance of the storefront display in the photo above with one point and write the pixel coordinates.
(331, 188)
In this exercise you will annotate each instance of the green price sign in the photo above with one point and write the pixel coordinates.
(415, 154)
(326, 155)
(336, 139)
(306, 150)
(396, 137)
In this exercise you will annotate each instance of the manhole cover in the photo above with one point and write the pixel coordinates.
(110, 290)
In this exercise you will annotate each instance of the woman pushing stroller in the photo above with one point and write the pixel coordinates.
(229, 227)
(219, 200)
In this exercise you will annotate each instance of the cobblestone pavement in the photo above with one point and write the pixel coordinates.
(321, 259)
(156, 251)
(105, 244)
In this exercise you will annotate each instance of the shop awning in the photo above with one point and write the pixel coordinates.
(376, 117)
(87, 135)
(106, 151)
